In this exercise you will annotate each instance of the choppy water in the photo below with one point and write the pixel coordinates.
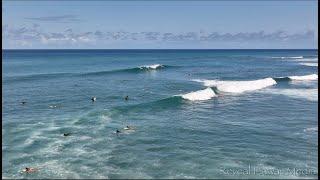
(237, 123)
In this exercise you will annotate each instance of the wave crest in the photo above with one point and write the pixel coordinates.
(306, 77)
(288, 57)
(153, 66)
(238, 86)
(309, 64)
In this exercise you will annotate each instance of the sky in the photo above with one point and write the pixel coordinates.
(171, 24)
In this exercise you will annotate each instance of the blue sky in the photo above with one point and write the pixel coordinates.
(159, 24)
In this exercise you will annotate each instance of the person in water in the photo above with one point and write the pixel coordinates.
(23, 102)
(93, 99)
(128, 128)
(117, 131)
(29, 170)
(66, 134)
(126, 98)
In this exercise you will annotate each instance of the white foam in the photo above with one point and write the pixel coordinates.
(239, 86)
(85, 138)
(153, 66)
(200, 95)
(306, 60)
(306, 77)
(312, 129)
(310, 64)
(308, 94)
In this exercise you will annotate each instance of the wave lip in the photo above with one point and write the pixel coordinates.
(239, 86)
(306, 77)
(200, 95)
(153, 66)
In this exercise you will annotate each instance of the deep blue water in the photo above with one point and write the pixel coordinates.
(270, 129)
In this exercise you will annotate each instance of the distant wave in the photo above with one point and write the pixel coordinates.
(288, 57)
(309, 64)
(151, 67)
(238, 86)
(306, 60)
(308, 94)
(200, 95)
(310, 77)
(139, 69)
(35, 77)
(312, 129)
(302, 78)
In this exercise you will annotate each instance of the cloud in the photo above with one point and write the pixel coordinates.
(33, 35)
(63, 18)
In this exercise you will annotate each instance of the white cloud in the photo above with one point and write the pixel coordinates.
(26, 36)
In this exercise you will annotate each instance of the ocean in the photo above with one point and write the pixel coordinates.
(194, 113)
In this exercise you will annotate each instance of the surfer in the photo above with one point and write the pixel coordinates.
(128, 128)
(23, 102)
(126, 98)
(66, 134)
(117, 131)
(29, 170)
(93, 99)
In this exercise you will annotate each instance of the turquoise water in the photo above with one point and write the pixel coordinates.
(259, 131)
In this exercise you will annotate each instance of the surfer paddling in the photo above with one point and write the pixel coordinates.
(93, 99)
(29, 170)
(66, 134)
(118, 132)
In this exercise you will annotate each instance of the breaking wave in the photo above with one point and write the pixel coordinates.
(131, 70)
(238, 86)
(306, 60)
(310, 64)
(200, 95)
(152, 67)
(33, 77)
(288, 57)
(311, 129)
(306, 77)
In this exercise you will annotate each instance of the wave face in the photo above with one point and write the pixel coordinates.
(302, 78)
(200, 95)
(239, 86)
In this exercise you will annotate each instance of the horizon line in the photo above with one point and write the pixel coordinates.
(177, 49)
